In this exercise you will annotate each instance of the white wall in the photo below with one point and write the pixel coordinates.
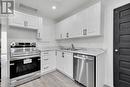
(105, 41)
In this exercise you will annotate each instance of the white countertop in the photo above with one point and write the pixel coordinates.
(90, 51)
(87, 51)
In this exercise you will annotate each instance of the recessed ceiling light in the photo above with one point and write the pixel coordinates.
(54, 7)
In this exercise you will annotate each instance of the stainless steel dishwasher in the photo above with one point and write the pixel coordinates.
(83, 69)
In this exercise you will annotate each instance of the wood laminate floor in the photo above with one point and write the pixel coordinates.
(53, 79)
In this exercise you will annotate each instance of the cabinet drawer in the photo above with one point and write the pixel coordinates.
(46, 67)
(45, 57)
(45, 53)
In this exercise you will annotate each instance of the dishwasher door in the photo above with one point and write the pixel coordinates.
(84, 70)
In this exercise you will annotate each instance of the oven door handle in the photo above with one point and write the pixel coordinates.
(12, 64)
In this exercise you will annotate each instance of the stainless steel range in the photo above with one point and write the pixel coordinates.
(24, 62)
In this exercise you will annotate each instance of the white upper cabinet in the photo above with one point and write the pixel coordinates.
(83, 24)
(17, 19)
(23, 20)
(94, 20)
(40, 28)
(62, 29)
(33, 21)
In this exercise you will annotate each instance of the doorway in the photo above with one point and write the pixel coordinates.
(121, 49)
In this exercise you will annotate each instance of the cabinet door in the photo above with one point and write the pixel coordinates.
(77, 23)
(60, 61)
(61, 30)
(57, 33)
(20, 19)
(52, 59)
(32, 21)
(40, 28)
(83, 22)
(67, 27)
(94, 17)
(17, 19)
(68, 61)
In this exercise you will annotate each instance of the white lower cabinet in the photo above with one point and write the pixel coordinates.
(68, 68)
(60, 61)
(48, 61)
(64, 63)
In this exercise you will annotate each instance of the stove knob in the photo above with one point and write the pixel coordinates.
(13, 44)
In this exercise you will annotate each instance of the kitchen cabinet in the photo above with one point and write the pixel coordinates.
(48, 61)
(46, 30)
(40, 28)
(94, 20)
(68, 67)
(60, 61)
(64, 63)
(63, 29)
(23, 20)
(32, 21)
(17, 19)
(83, 24)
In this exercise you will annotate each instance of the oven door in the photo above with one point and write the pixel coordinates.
(24, 66)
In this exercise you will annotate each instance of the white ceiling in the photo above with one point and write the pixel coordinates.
(64, 9)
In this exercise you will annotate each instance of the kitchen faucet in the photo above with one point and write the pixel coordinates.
(72, 47)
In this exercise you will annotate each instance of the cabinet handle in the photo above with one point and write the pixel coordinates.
(61, 36)
(67, 35)
(46, 67)
(63, 54)
(45, 53)
(45, 59)
(39, 34)
(84, 31)
(25, 23)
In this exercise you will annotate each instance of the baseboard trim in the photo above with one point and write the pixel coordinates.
(49, 71)
(65, 74)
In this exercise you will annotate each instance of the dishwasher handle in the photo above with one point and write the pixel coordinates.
(84, 58)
